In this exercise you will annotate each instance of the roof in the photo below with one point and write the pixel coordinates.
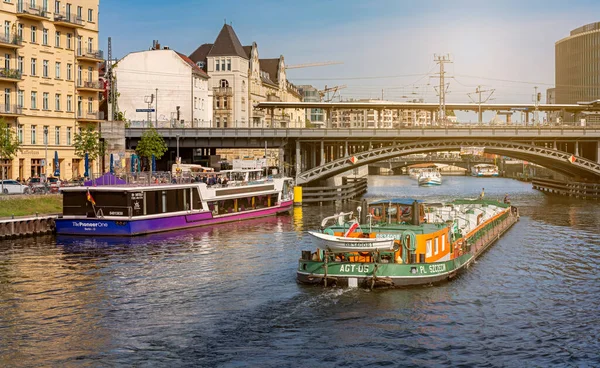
(270, 66)
(227, 44)
(195, 67)
(200, 54)
(404, 201)
(248, 50)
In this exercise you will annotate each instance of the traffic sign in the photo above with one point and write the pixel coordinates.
(144, 110)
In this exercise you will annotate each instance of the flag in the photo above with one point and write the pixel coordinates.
(572, 159)
(353, 159)
(353, 227)
(90, 198)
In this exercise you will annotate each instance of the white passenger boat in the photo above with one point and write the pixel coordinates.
(484, 170)
(429, 177)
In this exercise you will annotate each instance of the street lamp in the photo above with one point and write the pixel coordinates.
(46, 153)
(177, 136)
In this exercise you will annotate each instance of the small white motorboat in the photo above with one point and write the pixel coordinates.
(429, 177)
(347, 244)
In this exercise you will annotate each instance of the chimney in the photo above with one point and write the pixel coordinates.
(157, 45)
(166, 48)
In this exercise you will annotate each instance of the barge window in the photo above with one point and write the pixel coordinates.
(153, 199)
(443, 242)
(436, 246)
(175, 200)
(196, 198)
(428, 243)
(112, 203)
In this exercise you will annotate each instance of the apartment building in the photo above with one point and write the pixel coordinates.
(167, 82)
(379, 118)
(49, 82)
(240, 80)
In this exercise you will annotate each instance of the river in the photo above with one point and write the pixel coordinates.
(227, 295)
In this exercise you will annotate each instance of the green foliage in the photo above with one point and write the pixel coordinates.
(9, 142)
(307, 124)
(87, 140)
(150, 144)
(30, 204)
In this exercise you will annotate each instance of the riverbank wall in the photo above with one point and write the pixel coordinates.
(582, 190)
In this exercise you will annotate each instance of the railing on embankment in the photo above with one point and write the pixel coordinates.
(569, 189)
(26, 226)
(353, 188)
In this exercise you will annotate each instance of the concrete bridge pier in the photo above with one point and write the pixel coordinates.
(322, 153)
(576, 148)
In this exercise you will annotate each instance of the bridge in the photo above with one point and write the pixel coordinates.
(318, 154)
(409, 160)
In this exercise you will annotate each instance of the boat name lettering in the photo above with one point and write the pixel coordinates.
(353, 267)
(137, 195)
(437, 268)
(116, 213)
(359, 245)
(388, 236)
(89, 224)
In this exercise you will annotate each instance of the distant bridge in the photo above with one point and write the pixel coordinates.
(403, 161)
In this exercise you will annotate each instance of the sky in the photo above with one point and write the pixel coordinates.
(387, 47)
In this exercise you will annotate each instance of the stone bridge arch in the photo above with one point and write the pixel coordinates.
(560, 161)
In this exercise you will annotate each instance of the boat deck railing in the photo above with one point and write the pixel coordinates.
(212, 179)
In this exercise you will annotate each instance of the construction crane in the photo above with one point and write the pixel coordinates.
(310, 65)
(326, 90)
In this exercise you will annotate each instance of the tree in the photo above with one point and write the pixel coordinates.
(87, 140)
(151, 144)
(9, 145)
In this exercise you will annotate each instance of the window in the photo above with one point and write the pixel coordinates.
(57, 7)
(21, 98)
(33, 34)
(79, 45)
(20, 64)
(90, 74)
(224, 122)
(90, 105)
(44, 37)
(195, 102)
(68, 11)
(68, 136)
(443, 242)
(436, 246)
(224, 83)
(69, 103)
(79, 105)
(69, 38)
(217, 101)
(79, 11)
(79, 75)
(57, 39)
(33, 99)
(57, 135)
(45, 134)
(57, 69)
(243, 104)
(44, 5)
(229, 64)
(225, 103)
(33, 62)
(20, 133)
(90, 44)
(223, 64)
(428, 248)
(217, 65)
(33, 134)
(20, 31)
(6, 61)
(57, 102)
(90, 15)
(69, 71)
(7, 29)
(7, 99)
(45, 68)
(45, 96)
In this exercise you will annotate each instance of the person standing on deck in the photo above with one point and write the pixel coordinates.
(482, 193)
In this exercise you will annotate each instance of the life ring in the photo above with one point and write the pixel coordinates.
(397, 245)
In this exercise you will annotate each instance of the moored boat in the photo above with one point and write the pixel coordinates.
(126, 210)
(484, 170)
(432, 243)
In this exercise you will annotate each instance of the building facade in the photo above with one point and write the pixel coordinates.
(577, 63)
(49, 82)
(172, 89)
(316, 117)
(240, 79)
(379, 118)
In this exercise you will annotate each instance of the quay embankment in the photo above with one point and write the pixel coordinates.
(28, 215)
(581, 190)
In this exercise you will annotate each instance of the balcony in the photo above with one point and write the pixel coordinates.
(10, 110)
(10, 42)
(31, 11)
(68, 20)
(10, 75)
(90, 55)
(90, 86)
(90, 117)
(222, 91)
